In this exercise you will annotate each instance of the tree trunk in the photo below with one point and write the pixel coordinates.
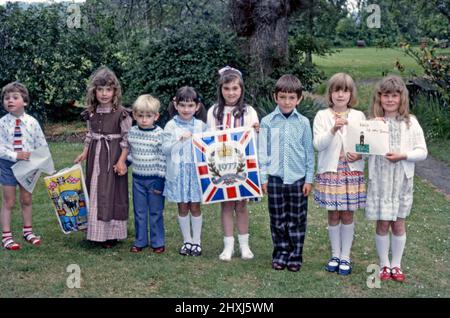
(265, 24)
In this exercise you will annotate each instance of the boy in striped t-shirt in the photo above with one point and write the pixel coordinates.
(149, 167)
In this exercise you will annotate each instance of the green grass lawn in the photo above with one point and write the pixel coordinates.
(368, 63)
(440, 149)
(41, 272)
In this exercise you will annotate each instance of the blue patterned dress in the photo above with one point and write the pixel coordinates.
(182, 184)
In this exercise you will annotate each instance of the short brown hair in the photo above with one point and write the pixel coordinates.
(289, 83)
(342, 81)
(16, 87)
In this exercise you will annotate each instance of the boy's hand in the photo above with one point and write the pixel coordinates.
(352, 157)
(307, 187)
(394, 157)
(264, 188)
(256, 127)
(23, 155)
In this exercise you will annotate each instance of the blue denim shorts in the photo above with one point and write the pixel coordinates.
(6, 175)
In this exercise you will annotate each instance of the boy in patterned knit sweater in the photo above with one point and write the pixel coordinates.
(149, 166)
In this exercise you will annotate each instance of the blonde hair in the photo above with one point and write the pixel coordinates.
(146, 103)
(342, 81)
(391, 84)
(103, 76)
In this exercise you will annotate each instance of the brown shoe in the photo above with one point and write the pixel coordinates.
(135, 249)
(159, 250)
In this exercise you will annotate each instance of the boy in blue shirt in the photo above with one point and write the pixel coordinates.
(286, 159)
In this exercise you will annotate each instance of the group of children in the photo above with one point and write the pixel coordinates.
(163, 167)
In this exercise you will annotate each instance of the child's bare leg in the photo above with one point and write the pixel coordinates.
(333, 218)
(242, 225)
(183, 209)
(227, 225)
(382, 242)
(227, 218)
(398, 242)
(9, 199)
(26, 204)
(195, 209)
(242, 217)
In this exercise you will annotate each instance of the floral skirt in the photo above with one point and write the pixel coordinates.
(344, 190)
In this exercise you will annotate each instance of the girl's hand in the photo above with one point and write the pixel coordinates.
(307, 187)
(81, 157)
(23, 155)
(120, 168)
(352, 157)
(338, 124)
(256, 127)
(394, 157)
(186, 136)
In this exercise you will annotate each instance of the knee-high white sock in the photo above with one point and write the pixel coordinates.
(382, 244)
(185, 227)
(197, 222)
(397, 247)
(334, 233)
(347, 232)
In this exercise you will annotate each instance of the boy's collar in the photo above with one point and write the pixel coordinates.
(294, 111)
(147, 129)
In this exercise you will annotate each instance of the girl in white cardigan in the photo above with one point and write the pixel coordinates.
(339, 184)
(390, 188)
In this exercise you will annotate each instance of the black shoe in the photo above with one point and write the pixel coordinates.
(278, 266)
(196, 250)
(293, 268)
(185, 249)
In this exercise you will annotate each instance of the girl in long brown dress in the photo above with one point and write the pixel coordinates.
(105, 149)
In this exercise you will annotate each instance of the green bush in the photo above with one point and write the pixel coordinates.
(433, 117)
(188, 55)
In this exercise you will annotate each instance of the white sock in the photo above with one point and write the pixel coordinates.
(397, 247)
(334, 233)
(197, 222)
(228, 250)
(246, 253)
(347, 232)
(382, 243)
(185, 226)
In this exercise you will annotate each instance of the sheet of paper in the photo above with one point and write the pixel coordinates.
(27, 172)
(367, 137)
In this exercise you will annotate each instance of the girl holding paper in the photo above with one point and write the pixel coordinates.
(390, 187)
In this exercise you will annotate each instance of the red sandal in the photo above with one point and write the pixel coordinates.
(32, 239)
(10, 245)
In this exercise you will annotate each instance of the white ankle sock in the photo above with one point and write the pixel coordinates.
(246, 253)
(228, 250)
(185, 226)
(347, 232)
(382, 244)
(397, 247)
(334, 234)
(197, 222)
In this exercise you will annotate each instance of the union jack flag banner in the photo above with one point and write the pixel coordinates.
(227, 165)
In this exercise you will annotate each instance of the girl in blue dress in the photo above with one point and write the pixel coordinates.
(188, 117)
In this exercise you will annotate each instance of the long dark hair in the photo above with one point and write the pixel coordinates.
(188, 94)
(239, 109)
